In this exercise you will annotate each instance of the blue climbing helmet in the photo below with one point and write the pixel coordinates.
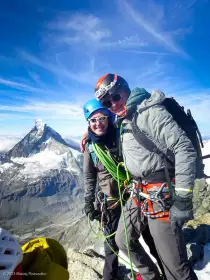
(92, 106)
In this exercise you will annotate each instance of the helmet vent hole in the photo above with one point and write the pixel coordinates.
(5, 238)
(8, 252)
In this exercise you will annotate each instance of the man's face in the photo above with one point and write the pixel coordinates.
(116, 102)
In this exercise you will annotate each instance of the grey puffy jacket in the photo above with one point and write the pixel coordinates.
(157, 122)
(97, 175)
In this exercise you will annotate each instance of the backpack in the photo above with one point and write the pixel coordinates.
(186, 123)
(44, 258)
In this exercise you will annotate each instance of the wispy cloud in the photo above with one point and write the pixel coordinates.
(7, 144)
(146, 24)
(85, 27)
(66, 118)
(36, 78)
(45, 110)
(149, 52)
(181, 12)
(90, 30)
(152, 72)
(14, 84)
(127, 42)
(23, 87)
(85, 31)
(199, 104)
(181, 32)
(59, 69)
(142, 43)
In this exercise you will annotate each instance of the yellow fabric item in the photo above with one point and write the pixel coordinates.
(44, 259)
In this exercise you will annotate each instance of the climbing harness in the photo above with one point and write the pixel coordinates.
(103, 201)
(119, 174)
(146, 196)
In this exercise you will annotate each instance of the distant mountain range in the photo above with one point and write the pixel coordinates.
(41, 181)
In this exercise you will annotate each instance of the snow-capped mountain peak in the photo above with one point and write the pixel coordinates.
(39, 124)
(39, 153)
(40, 164)
(38, 139)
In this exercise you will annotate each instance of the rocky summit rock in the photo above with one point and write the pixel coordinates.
(197, 231)
(195, 252)
(197, 235)
(89, 265)
(86, 265)
(78, 270)
(201, 197)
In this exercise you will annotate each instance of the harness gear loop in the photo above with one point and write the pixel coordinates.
(152, 196)
(104, 206)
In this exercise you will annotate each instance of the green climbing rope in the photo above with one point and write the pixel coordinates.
(124, 222)
(111, 165)
(105, 237)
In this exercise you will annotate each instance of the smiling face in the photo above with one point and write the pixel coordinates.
(98, 123)
(116, 102)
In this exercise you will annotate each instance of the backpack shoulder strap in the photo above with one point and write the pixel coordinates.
(118, 143)
(142, 138)
(93, 154)
(147, 142)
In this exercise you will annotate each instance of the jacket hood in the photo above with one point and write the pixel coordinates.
(156, 97)
(136, 97)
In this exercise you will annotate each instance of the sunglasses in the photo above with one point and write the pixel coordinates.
(100, 119)
(108, 103)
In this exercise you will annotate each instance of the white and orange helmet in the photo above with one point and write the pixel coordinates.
(10, 254)
(109, 84)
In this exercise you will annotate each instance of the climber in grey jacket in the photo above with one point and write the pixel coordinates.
(113, 92)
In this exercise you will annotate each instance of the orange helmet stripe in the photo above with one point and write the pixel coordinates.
(100, 81)
(115, 77)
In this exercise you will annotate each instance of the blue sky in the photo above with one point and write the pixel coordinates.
(52, 53)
